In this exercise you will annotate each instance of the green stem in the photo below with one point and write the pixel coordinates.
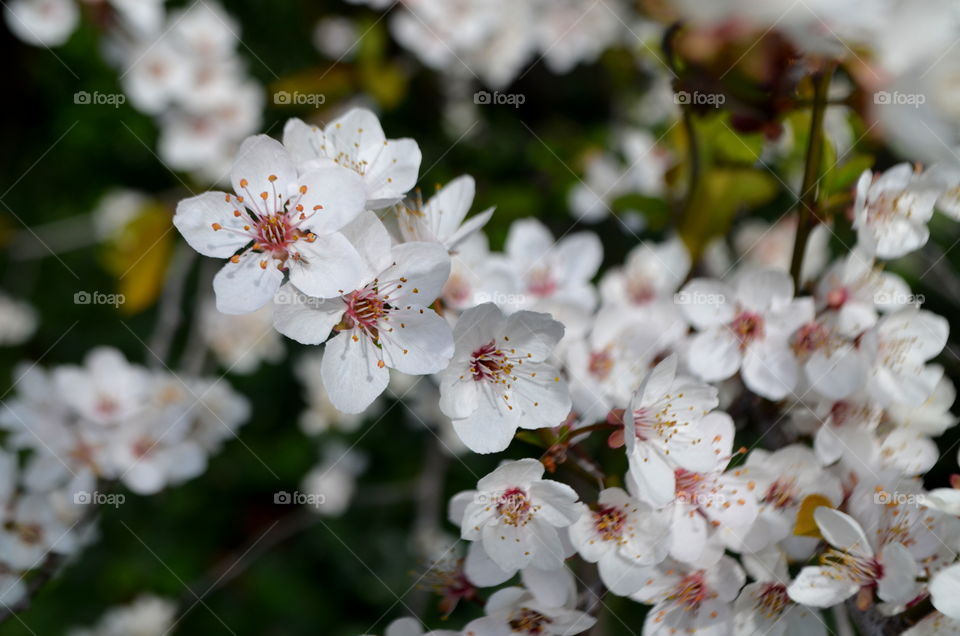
(807, 215)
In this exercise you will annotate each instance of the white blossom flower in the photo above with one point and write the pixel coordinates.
(147, 615)
(516, 514)
(945, 591)
(388, 167)
(747, 326)
(513, 610)
(555, 275)
(891, 211)
(500, 378)
(897, 349)
(621, 536)
(42, 22)
(669, 425)
(691, 598)
(106, 390)
(442, 218)
(851, 565)
(853, 290)
(384, 324)
(765, 609)
(242, 342)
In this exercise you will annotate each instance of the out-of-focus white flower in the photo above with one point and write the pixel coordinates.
(18, 321)
(555, 275)
(747, 328)
(336, 37)
(891, 211)
(764, 607)
(330, 485)
(242, 342)
(42, 22)
(148, 615)
(764, 245)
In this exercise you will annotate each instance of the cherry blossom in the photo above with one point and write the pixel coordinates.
(500, 377)
(278, 222)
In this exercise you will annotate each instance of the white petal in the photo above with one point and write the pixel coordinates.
(334, 197)
(770, 370)
(945, 591)
(351, 373)
(714, 355)
(426, 266)
(328, 266)
(416, 341)
(196, 217)
(259, 158)
(706, 303)
(247, 285)
(842, 531)
(303, 318)
(898, 583)
(818, 587)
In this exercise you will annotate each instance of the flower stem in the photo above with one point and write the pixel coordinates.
(807, 215)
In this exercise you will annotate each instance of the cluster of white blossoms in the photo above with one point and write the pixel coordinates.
(713, 537)
(72, 433)
(180, 67)
(493, 40)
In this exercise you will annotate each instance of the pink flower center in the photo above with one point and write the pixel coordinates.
(640, 291)
(274, 234)
(541, 282)
(365, 308)
(772, 600)
(856, 569)
(688, 485)
(836, 297)
(601, 364)
(747, 327)
(489, 364)
(691, 591)
(514, 507)
(781, 494)
(609, 522)
(810, 337)
(528, 621)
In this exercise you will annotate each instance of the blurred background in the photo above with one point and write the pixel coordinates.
(87, 196)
